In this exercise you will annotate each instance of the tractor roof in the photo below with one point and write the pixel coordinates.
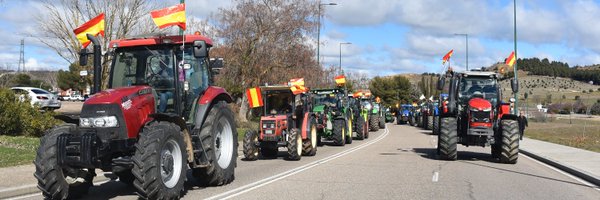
(325, 91)
(150, 40)
(276, 88)
(480, 73)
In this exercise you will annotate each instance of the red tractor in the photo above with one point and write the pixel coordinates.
(286, 121)
(474, 114)
(160, 113)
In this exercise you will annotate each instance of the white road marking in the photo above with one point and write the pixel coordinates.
(562, 172)
(268, 180)
(435, 177)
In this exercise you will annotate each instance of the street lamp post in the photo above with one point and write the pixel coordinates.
(341, 53)
(319, 30)
(467, 44)
(516, 95)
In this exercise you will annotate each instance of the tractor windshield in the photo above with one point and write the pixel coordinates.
(143, 66)
(325, 99)
(483, 87)
(279, 102)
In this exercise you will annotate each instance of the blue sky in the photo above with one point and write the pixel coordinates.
(390, 37)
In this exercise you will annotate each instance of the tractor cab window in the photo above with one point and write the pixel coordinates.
(279, 103)
(471, 87)
(326, 99)
(197, 75)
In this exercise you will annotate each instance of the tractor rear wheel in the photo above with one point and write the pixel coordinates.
(429, 123)
(349, 132)
(219, 139)
(159, 163)
(360, 126)
(339, 132)
(510, 141)
(294, 144)
(57, 182)
(448, 138)
(309, 145)
(250, 145)
(126, 176)
(436, 125)
(373, 123)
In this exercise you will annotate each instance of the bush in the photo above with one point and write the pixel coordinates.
(595, 110)
(560, 108)
(20, 118)
(579, 107)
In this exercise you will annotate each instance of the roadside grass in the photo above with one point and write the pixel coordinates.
(17, 150)
(578, 133)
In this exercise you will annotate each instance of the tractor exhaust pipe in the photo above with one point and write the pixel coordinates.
(97, 63)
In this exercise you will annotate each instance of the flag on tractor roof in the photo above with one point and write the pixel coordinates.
(447, 56)
(340, 80)
(171, 16)
(510, 61)
(254, 97)
(95, 26)
(297, 85)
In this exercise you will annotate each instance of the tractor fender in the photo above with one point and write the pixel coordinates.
(509, 116)
(305, 128)
(211, 96)
(175, 119)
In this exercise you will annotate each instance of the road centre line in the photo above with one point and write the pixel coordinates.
(251, 186)
(435, 177)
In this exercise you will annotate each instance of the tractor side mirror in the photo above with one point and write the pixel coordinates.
(200, 50)
(514, 85)
(440, 83)
(83, 57)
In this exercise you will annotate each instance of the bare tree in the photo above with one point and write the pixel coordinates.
(267, 42)
(123, 18)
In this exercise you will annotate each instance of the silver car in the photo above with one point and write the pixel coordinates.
(41, 97)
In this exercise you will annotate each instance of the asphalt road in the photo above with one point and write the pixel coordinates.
(397, 163)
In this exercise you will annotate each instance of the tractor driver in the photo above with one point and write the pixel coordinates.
(286, 106)
(162, 80)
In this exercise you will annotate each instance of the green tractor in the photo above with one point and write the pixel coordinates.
(359, 117)
(377, 116)
(389, 115)
(333, 116)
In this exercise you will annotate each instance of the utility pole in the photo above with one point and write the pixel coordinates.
(319, 30)
(21, 65)
(341, 54)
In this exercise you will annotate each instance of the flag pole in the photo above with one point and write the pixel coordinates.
(181, 32)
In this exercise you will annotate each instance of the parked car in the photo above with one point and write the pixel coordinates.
(76, 97)
(41, 97)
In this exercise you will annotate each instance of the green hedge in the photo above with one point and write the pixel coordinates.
(20, 118)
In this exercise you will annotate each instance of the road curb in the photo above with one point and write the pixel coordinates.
(25, 190)
(569, 169)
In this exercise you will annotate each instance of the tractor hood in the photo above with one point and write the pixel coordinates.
(479, 104)
(118, 95)
(319, 108)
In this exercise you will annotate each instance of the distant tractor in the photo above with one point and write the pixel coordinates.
(405, 114)
(286, 121)
(438, 106)
(475, 115)
(160, 113)
(333, 118)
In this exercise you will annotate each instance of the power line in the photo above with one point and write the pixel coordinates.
(21, 65)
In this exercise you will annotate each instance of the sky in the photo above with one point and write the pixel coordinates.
(390, 36)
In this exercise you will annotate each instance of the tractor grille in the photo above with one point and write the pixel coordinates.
(480, 116)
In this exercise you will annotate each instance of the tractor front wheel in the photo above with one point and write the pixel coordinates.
(448, 138)
(510, 141)
(309, 145)
(436, 125)
(373, 123)
(250, 145)
(294, 144)
(360, 126)
(159, 163)
(349, 132)
(429, 123)
(339, 132)
(57, 182)
(219, 139)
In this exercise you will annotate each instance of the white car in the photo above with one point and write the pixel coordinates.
(37, 96)
(76, 97)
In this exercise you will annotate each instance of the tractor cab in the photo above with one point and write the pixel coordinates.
(282, 111)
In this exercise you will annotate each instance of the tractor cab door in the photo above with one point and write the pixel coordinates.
(192, 79)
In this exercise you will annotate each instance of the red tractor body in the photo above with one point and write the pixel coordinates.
(272, 127)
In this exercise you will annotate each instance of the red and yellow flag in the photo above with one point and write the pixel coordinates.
(95, 26)
(171, 16)
(340, 80)
(447, 56)
(254, 97)
(297, 86)
(510, 61)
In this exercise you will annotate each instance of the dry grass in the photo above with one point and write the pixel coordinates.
(579, 133)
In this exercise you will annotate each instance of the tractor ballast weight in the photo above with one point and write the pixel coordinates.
(132, 131)
(473, 114)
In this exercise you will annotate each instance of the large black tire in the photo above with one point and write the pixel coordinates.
(159, 162)
(269, 149)
(424, 122)
(126, 176)
(51, 177)
(219, 139)
(366, 129)
(411, 120)
(250, 145)
(294, 144)
(373, 123)
(510, 141)
(436, 125)
(448, 138)
(339, 132)
(349, 132)
(429, 123)
(309, 145)
(419, 121)
(381, 123)
(360, 127)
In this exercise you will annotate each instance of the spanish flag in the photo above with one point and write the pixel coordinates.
(510, 61)
(254, 97)
(447, 56)
(297, 86)
(95, 26)
(171, 16)
(340, 80)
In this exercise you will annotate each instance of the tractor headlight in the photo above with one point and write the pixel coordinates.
(105, 122)
(264, 125)
(368, 106)
(512, 100)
